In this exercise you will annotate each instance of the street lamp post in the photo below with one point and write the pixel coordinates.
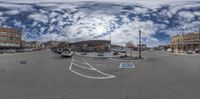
(110, 43)
(140, 44)
(199, 39)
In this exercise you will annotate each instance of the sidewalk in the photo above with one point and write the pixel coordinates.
(185, 54)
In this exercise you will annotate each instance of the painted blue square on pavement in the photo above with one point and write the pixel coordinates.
(126, 65)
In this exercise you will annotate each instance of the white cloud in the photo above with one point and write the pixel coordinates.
(53, 36)
(88, 27)
(187, 15)
(197, 13)
(12, 12)
(130, 1)
(53, 14)
(90, 23)
(140, 10)
(39, 17)
(130, 31)
(17, 23)
(174, 7)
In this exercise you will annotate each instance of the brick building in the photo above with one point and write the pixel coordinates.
(185, 42)
(10, 38)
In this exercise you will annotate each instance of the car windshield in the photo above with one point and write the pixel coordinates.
(99, 49)
(66, 50)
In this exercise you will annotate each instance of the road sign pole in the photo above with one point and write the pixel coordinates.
(110, 42)
(140, 44)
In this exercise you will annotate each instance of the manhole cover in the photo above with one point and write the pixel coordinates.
(23, 62)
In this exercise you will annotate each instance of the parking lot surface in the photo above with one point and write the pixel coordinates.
(46, 75)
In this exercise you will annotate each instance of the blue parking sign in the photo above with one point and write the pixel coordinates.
(126, 65)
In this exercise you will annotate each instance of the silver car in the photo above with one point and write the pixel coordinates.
(67, 53)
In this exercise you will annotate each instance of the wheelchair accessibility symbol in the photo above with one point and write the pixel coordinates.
(126, 65)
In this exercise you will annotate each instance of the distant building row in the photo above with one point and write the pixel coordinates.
(11, 39)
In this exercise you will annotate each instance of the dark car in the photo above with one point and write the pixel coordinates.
(197, 50)
(115, 53)
(20, 50)
(59, 50)
(1, 51)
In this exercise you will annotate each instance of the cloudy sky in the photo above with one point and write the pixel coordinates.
(76, 20)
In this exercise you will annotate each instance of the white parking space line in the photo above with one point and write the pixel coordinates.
(98, 70)
(82, 66)
(79, 62)
(123, 60)
(117, 59)
(107, 76)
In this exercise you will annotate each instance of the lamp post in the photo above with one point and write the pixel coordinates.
(199, 40)
(140, 44)
(110, 43)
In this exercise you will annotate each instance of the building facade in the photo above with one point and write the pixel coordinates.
(35, 45)
(50, 44)
(26, 45)
(191, 41)
(10, 38)
(91, 45)
(185, 42)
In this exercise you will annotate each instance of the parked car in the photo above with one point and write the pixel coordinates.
(189, 52)
(181, 51)
(122, 51)
(1, 51)
(28, 50)
(67, 53)
(84, 53)
(10, 51)
(59, 50)
(20, 50)
(115, 52)
(197, 50)
(54, 50)
(169, 50)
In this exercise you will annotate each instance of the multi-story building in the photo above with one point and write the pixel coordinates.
(10, 38)
(35, 45)
(25, 45)
(177, 43)
(191, 41)
(185, 42)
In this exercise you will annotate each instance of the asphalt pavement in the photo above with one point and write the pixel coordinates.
(46, 75)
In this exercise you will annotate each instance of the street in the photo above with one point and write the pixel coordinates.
(46, 75)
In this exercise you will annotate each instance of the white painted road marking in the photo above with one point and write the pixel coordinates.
(107, 76)
(126, 65)
(123, 60)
